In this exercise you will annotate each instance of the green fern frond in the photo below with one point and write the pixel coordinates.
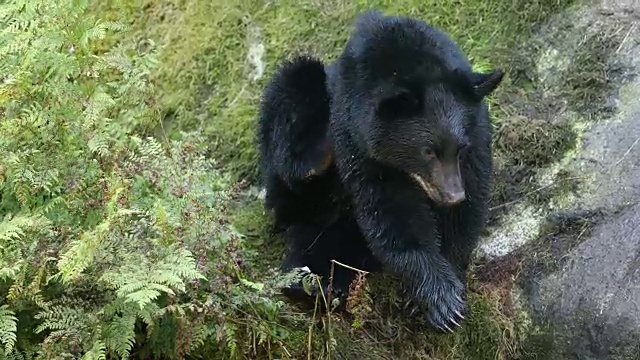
(82, 252)
(14, 239)
(8, 328)
(17, 288)
(99, 102)
(149, 314)
(60, 317)
(18, 355)
(39, 300)
(120, 334)
(143, 286)
(99, 31)
(54, 204)
(97, 352)
(23, 193)
(13, 228)
(145, 296)
(118, 215)
(28, 292)
(202, 335)
(11, 271)
(99, 145)
(230, 336)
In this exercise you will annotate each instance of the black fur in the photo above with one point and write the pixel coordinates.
(308, 205)
(293, 140)
(400, 94)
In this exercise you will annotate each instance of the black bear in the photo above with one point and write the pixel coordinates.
(382, 159)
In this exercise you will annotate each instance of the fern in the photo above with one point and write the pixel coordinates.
(230, 336)
(17, 355)
(143, 284)
(8, 328)
(99, 145)
(82, 251)
(60, 317)
(105, 228)
(14, 243)
(120, 334)
(55, 204)
(99, 102)
(12, 228)
(97, 352)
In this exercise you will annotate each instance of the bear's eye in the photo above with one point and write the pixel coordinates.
(463, 149)
(403, 104)
(429, 154)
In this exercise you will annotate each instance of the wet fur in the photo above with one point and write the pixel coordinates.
(303, 189)
(365, 209)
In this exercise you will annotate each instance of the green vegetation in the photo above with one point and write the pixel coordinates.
(125, 127)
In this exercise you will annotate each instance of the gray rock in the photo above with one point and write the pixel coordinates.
(591, 300)
(606, 38)
(594, 302)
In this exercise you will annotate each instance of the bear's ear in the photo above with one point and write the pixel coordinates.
(485, 83)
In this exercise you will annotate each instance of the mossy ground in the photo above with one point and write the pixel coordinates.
(561, 80)
(216, 56)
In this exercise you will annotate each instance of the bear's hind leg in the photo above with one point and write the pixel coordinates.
(315, 246)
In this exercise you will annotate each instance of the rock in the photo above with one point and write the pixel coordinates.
(594, 302)
(589, 300)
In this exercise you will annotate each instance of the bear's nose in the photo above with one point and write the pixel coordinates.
(454, 198)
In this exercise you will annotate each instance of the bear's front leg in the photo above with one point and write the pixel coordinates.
(460, 229)
(401, 230)
(460, 226)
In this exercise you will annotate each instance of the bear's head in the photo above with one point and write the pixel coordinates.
(416, 102)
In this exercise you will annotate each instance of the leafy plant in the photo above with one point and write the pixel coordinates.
(112, 243)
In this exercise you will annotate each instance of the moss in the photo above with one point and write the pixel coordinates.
(570, 66)
(383, 330)
(264, 247)
(523, 146)
(519, 272)
(564, 184)
(487, 333)
(558, 82)
(532, 143)
(540, 345)
(591, 76)
(558, 235)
